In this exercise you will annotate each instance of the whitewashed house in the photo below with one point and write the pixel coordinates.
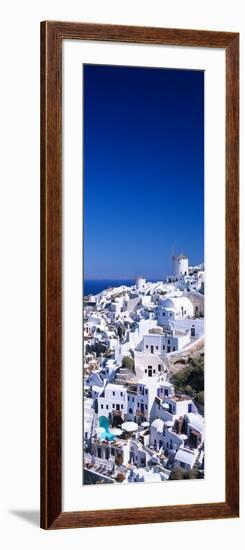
(139, 456)
(185, 458)
(96, 384)
(114, 402)
(96, 320)
(149, 354)
(90, 423)
(162, 437)
(195, 429)
(146, 393)
(197, 300)
(173, 308)
(172, 408)
(117, 451)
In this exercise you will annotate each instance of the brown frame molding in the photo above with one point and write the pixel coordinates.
(52, 34)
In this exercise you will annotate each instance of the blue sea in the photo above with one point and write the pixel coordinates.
(94, 286)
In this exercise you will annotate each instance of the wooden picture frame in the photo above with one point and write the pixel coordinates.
(52, 35)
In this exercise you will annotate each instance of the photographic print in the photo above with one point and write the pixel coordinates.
(144, 275)
(129, 331)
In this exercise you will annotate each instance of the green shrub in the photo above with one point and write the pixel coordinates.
(191, 474)
(128, 363)
(177, 473)
(190, 377)
(200, 397)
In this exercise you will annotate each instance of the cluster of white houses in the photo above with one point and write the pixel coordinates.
(137, 427)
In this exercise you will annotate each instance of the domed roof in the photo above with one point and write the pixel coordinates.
(168, 303)
(175, 302)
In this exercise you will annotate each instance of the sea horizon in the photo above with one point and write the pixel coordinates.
(94, 286)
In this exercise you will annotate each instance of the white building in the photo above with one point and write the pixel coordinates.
(174, 308)
(114, 402)
(149, 354)
(195, 429)
(148, 365)
(96, 384)
(172, 408)
(166, 342)
(185, 458)
(162, 437)
(95, 319)
(180, 266)
(139, 456)
(89, 423)
(194, 326)
(140, 284)
(146, 393)
(197, 300)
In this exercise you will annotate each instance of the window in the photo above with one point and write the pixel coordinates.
(182, 464)
(145, 370)
(121, 393)
(163, 313)
(163, 347)
(130, 411)
(101, 406)
(146, 407)
(156, 347)
(166, 392)
(138, 404)
(128, 397)
(159, 368)
(146, 346)
(113, 393)
(168, 342)
(146, 391)
(133, 399)
(173, 348)
(107, 407)
(154, 371)
(121, 406)
(113, 405)
(189, 407)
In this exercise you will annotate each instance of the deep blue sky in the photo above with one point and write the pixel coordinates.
(143, 170)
